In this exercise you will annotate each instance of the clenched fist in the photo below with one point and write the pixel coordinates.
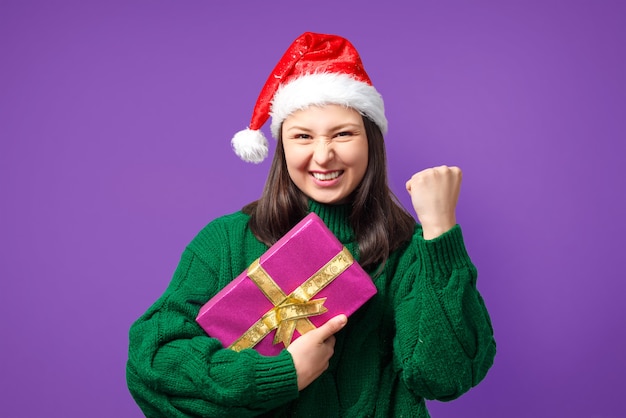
(434, 194)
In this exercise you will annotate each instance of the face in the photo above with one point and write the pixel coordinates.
(326, 151)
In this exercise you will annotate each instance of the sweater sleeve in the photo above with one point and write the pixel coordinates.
(444, 343)
(175, 370)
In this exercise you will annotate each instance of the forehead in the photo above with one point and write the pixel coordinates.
(330, 113)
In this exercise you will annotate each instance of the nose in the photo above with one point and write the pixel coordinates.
(323, 151)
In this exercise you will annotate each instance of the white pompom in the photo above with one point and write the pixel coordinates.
(251, 146)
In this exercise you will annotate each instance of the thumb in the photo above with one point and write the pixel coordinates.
(332, 326)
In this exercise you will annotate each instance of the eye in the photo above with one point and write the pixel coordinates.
(302, 136)
(343, 134)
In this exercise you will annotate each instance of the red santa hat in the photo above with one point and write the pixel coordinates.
(316, 69)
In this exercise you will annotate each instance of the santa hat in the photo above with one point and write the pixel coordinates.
(316, 69)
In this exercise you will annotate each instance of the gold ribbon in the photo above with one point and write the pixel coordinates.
(290, 312)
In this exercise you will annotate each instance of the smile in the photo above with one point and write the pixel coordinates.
(327, 176)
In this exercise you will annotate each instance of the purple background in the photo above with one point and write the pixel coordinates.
(115, 121)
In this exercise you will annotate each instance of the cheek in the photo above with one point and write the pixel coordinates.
(357, 159)
(295, 158)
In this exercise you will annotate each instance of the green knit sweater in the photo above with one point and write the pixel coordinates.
(425, 335)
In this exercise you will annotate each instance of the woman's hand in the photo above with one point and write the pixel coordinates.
(434, 194)
(312, 351)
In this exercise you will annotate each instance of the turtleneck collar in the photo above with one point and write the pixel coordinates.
(336, 219)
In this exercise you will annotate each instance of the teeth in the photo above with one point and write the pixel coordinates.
(327, 176)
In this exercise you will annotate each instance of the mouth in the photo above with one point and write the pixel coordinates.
(328, 176)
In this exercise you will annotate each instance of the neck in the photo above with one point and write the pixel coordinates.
(336, 218)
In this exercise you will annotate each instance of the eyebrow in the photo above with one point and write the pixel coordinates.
(335, 128)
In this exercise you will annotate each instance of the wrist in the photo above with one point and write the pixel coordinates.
(432, 230)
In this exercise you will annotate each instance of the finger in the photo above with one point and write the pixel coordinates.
(332, 326)
(330, 341)
(458, 172)
(452, 169)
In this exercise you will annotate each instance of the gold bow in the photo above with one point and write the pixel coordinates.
(290, 312)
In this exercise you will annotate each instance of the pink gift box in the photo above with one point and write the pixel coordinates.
(308, 250)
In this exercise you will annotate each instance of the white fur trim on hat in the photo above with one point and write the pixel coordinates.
(250, 145)
(327, 88)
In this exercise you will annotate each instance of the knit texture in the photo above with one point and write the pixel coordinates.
(425, 335)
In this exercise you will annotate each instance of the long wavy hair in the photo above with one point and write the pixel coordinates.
(380, 223)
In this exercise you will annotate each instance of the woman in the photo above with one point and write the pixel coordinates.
(426, 334)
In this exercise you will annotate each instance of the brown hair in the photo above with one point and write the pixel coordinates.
(380, 223)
